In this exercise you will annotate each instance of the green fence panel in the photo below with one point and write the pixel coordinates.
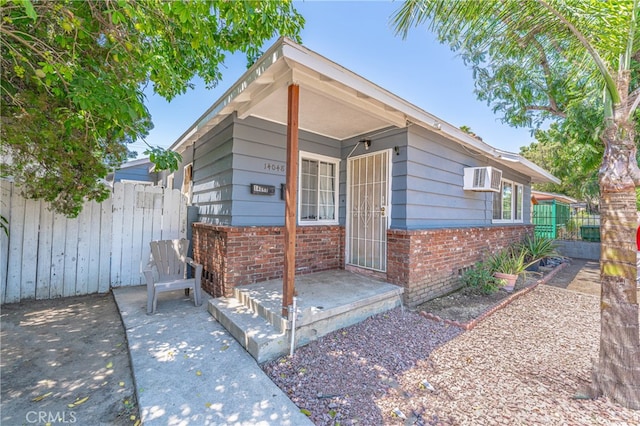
(544, 219)
(563, 213)
(549, 217)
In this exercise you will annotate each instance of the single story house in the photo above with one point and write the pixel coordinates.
(383, 187)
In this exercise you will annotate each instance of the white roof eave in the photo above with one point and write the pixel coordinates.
(334, 71)
(293, 53)
(518, 162)
(268, 58)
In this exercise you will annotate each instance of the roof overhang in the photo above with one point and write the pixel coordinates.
(135, 163)
(334, 102)
(526, 167)
(543, 196)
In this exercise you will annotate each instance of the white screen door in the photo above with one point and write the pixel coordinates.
(368, 210)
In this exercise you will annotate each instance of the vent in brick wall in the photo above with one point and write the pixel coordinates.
(462, 270)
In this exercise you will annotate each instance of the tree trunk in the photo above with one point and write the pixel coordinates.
(617, 371)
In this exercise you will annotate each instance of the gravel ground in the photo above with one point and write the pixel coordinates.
(520, 366)
(341, 377)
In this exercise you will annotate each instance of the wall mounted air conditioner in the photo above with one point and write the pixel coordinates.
(482, 179)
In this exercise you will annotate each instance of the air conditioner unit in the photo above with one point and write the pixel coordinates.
(482, 179)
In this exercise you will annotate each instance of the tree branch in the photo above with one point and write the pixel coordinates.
(634, 101)
(550, 109)
(544, 63)
(606, 75)
(30, 46)
(530, 38)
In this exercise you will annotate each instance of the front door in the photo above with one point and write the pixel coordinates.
(368, 210)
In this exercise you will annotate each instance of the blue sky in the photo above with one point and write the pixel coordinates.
(358, 36)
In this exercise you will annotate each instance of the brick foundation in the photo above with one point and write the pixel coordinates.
(427, 263)
(234, 256)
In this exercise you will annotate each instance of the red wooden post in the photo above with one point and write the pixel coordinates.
(290, 208)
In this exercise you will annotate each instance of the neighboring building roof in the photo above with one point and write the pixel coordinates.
(334, 102)
(543, 196)
(136, 163)
(122, 172)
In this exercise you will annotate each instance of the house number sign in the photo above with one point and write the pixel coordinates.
(275, 167)
(259, 189)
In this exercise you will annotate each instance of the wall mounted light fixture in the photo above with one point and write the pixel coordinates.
(365, 142)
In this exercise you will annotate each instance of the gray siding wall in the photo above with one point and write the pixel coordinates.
(213, 174)
(427, 175)
(237, 153)
(259, 156)
(434, 180)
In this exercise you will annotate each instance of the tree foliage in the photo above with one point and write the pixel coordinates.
(73, 75)
(572, 151)
(526, 65)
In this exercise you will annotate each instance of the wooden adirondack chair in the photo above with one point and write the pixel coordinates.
(168, 271)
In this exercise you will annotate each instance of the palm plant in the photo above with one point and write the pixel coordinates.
(509, 261)
(537, 248)
(508, 264)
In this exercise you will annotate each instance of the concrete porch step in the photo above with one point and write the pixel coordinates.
(259, 337)
(326, 301)
(259, 302)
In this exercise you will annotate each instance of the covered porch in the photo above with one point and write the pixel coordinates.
(325, 301)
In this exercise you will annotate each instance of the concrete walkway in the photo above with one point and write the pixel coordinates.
(583, 276)
(579, 275)
(189, 371)
(587, 280)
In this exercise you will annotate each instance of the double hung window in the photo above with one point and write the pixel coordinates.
(318, 189)
(508, 203)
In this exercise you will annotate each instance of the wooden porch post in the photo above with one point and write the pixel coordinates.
(290, 208)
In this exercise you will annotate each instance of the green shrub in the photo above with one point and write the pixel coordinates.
(480, 278)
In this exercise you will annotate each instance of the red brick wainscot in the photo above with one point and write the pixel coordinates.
(236, 255)
(428, 262)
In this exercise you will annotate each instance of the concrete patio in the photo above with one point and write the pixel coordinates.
(326, 301)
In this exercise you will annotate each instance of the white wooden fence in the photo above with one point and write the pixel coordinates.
(47, 255)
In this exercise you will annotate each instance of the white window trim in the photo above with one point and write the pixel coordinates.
(513, 203)
(326, 159)
(187, 187)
